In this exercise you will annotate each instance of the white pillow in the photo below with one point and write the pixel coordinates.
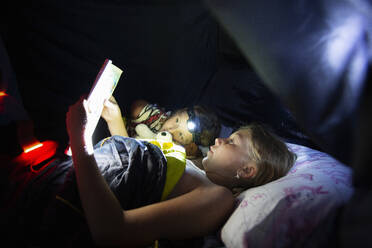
(284, 212)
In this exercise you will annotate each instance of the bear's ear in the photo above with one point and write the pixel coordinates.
(165, 136)
(144, 132)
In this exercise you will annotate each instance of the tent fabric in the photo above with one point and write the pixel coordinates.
(315, 55)
(167, 51)
(239, 96)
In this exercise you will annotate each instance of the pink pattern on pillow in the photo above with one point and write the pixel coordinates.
(306, 176)
(302, 194)
(252, 199)
(339, 177)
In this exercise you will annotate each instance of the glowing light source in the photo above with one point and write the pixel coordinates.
(102, 89)
(39, 156)
(191, 125)
(32, 147)
(2, 93)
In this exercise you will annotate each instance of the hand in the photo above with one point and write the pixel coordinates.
(76, 122)
(111, 111)
(76, 119)
(112, 115)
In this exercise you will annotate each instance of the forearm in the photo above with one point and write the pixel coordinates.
(111, 113)
(102, 210)
(208, 210)
(117, 127)
(197, 213)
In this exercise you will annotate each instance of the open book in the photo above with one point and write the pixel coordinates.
(102, 89)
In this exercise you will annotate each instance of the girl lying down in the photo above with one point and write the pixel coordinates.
(131, 192)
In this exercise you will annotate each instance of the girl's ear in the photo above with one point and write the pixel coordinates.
(249, 170)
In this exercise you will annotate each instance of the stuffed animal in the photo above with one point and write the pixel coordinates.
(144, 132)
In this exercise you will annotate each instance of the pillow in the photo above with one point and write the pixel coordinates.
(284, 212)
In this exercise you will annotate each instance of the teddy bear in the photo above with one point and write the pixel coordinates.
(144, 132)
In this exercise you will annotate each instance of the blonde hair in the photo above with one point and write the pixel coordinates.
(269, 153)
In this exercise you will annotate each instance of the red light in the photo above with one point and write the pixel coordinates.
(32, 147)
(2, 93)
(37, 155)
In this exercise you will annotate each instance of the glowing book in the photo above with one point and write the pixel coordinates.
(102, 89)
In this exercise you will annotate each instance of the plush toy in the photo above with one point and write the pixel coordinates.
(144, 132)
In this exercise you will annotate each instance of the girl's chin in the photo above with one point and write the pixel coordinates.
(204, 161)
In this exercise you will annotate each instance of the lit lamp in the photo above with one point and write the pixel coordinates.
(13, 111)
(35, 153)
(34, 146)
(193, 125)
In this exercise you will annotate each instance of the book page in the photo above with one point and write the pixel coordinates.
(102, 89)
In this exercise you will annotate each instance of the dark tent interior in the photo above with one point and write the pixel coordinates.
(249, 61)
(173, 54)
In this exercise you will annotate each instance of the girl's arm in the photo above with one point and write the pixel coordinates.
(202, 209)
(196, 207)
(100, 206)
(199, 212)
(112, 115)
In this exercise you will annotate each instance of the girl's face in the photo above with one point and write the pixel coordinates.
(227, 156)
(177, 126)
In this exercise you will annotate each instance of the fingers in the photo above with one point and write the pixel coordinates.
(78, 109)
(112, 99)
(110, 103)
(74, 116)
(86, 106)
(107, 103)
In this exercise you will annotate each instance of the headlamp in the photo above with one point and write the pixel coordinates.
(193, 125)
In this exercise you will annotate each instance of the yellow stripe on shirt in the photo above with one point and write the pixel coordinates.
(176, 164)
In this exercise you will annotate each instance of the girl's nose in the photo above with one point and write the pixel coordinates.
(218, 141)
